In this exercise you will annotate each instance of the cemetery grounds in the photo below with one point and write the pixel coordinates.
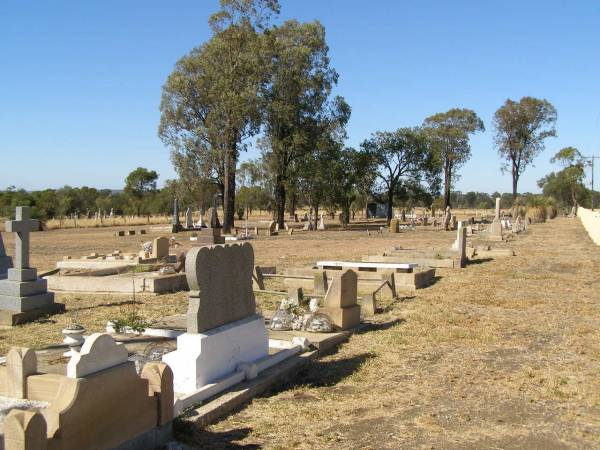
(502, 354)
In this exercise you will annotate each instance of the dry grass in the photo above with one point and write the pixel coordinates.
(503, 354)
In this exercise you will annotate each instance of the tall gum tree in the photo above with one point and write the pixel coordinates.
(520, 131)
(211, 102)
(448, 134)
(297, 96)
(399, 156)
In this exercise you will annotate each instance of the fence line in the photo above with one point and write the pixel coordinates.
(591, 222)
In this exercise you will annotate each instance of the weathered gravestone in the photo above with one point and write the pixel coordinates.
(5, 260)
(175, 224)
(160, 248)
(189, 220)
(321, 225)
(24, 296)
(340, 301)
(496, 226)
(212, 233)
(272, 229)
(223, 329)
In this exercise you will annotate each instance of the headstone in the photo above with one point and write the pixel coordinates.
(462, 246)
(176, 225)
(496, 225)
(340, 301)
(5, 260)
(200, 223)
(213, 218)
(98, 352)
(272, 228)
(321, 225)
(189, 220)
(223, 329)
(394, 226)
(24, 296)
(447, 218)
(160, 248)
(320, 282)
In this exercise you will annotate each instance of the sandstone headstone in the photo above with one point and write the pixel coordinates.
(160, 248)
(25, 430)
(272, 228)
(394, 226)
(321, 225)
(20, 363)
(320, 282)
(340, 301)
(496, 225)
(98, 352)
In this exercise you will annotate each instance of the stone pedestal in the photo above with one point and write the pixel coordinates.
(5, 260)
(496, 228)
(24, 297)
(203, 358)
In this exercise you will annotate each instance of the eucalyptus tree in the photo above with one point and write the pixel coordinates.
(520, 131)
(449, 139)
(570, 178)
(297, 100)
(399, 156)
(139, 185)
(211, 102)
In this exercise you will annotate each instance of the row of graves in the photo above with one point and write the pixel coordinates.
(114, 393)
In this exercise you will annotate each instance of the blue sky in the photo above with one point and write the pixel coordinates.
(80, 81)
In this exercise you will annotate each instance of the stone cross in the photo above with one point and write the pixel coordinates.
(497, 209)
(22, 226)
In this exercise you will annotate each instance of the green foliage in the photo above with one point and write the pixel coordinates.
(139, 185)
(566, 186)
(130, 320)
(299, 113)
(520, 131)
(211, 102)
(399, 157)
(448, 135)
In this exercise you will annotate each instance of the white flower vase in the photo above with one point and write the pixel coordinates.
(74, 339)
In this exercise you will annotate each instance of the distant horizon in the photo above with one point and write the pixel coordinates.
(84, 110)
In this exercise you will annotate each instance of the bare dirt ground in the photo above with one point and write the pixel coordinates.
(503, 354)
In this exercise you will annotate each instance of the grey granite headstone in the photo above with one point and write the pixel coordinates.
(213, 218)
(189, 221)
(5, 260)
(24, 296)
(220, 282)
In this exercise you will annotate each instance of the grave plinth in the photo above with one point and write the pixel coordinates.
(5, 260)
(23, 296)
(223, 329)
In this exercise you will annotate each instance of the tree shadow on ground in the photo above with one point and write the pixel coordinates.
(374, 326)
(479, 261)
(195, 437)
(107, 305)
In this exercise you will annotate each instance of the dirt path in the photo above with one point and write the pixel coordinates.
(504, 354)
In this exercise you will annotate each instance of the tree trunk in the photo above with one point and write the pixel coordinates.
(390, 205)
(447, 184)
(515, 181)
(229, 190)
(293, 203)
(280, 200)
